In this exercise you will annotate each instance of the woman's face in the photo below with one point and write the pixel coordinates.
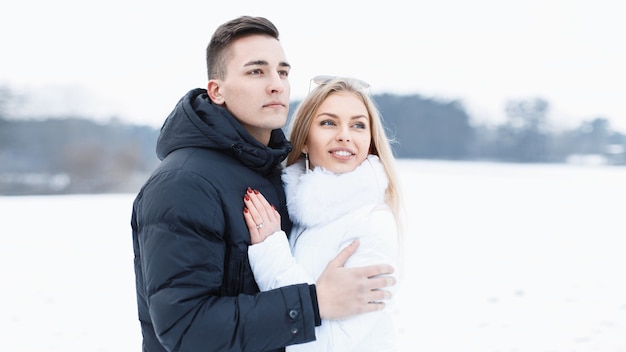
(340, 134)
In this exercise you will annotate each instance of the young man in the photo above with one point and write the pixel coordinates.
(195, 288)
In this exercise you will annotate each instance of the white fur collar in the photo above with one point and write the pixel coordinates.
(321, 196)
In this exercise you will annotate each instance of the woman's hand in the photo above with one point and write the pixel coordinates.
(261, 217)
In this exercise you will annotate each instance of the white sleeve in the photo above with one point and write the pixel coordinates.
(379, 244)
(273, 265)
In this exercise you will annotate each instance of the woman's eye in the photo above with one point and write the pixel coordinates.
(327, 123)
(360, 126)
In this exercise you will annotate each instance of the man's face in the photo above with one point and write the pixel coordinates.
(256, 87)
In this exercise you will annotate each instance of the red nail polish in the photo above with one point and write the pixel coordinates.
(249, 190)
(245, 210)
(246, 197)
(256, 192)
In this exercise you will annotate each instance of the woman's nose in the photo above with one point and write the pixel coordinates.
(344, 134)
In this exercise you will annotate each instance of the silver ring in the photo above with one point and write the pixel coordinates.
(260, 226)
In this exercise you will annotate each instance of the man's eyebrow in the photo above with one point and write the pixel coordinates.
(257, 63)
(265, 63)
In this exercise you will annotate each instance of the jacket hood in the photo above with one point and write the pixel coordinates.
(320, 196)
(197, 122)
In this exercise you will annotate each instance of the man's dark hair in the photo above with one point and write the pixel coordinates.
(217, 50)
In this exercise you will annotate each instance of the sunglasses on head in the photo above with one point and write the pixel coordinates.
(325, 79)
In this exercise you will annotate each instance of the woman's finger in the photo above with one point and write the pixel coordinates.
(265, 215)
(264, 207)
(259, 203)
(255, 236)
(256, 216)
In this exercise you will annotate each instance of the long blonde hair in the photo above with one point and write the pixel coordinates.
(380, 144)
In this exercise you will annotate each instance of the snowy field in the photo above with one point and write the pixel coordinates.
(500, 257)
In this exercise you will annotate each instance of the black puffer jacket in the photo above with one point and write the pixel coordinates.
(195, 288)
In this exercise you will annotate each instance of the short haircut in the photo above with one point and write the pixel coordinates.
(217, 52)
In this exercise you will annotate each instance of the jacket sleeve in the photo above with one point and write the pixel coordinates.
(182, 256)
(379, 244)
(273, 265)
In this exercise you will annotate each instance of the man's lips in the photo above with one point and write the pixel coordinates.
(274, 104)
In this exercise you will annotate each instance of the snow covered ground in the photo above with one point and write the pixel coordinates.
(500, 257)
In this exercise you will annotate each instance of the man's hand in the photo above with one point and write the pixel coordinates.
(345, 292)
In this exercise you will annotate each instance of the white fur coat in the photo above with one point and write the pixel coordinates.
(321, 196)
(329, 211)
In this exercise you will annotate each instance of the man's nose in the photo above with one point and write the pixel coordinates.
(277, 83)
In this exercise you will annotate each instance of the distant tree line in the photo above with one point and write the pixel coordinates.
(80, 155)
(73, 155)
(430, 129)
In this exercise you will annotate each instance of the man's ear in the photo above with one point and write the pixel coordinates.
(214, 92)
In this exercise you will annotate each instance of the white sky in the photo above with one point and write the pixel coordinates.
(135, 59)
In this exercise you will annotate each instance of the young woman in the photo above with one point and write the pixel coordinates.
(341, 186)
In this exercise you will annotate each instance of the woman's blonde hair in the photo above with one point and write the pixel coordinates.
(380, 144)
